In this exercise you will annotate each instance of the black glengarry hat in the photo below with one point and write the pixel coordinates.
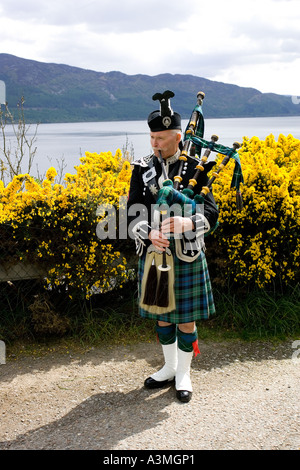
(164, 119)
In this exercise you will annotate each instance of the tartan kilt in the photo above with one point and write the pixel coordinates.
(193, 291)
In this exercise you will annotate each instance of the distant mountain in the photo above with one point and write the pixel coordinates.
(61, 93)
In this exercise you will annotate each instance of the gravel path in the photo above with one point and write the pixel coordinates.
(246, 396)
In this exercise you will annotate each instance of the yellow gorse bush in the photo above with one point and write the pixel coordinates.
(55, 224)
(260, 245)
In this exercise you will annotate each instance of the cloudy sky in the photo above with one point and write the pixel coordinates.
(251, 43)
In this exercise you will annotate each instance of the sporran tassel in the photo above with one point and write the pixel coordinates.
(162, 299)
(151, 286)
(163, 290)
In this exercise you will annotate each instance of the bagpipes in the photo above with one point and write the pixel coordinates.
(158, 296)
(193, 137)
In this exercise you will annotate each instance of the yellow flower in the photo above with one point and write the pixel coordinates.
(50, 174)
(255, 249)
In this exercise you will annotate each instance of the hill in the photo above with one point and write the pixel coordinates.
(62, 93)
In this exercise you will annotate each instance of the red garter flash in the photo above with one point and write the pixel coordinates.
(196, 348)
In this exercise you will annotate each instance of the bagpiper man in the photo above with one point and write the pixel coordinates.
(181, 277)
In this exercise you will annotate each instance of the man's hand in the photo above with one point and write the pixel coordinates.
(177, 224)
(159, 240)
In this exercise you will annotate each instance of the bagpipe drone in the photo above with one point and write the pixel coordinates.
(158, 296)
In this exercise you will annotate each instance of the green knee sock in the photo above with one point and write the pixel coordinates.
(188, 342)
(166, 334)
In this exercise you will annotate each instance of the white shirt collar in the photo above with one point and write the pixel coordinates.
(169, 161)
(173, 158)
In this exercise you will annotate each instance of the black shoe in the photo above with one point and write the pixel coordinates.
(183, 395)
(152, 383)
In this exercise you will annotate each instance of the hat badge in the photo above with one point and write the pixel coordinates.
(167, 121)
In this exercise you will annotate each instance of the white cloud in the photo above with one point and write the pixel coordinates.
(100, 15)
(253, 43)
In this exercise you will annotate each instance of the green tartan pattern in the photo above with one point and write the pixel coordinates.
(193, 292)
(238, 174)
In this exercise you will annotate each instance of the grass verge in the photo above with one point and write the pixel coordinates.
(113, 319)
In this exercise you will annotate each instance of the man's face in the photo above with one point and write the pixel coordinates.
(165, 141)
